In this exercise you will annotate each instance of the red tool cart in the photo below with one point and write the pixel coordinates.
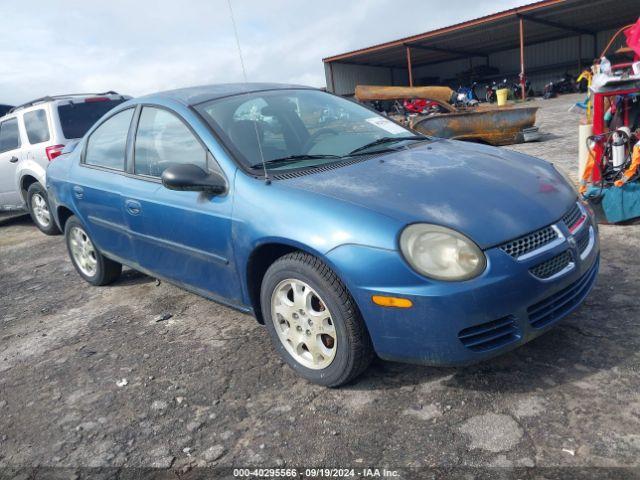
(613, 169)
(600, 126)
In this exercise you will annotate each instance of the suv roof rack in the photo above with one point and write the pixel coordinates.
(50, 98)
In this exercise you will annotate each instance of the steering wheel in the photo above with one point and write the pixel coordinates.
(317, 134)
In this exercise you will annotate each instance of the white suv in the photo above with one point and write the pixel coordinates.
(32, 135)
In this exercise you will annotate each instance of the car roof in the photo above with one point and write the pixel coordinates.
(204, 93)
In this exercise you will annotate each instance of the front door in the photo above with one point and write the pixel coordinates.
(10, 156)
(182, 236)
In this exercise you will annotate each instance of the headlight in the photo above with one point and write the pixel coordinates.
(441, 253)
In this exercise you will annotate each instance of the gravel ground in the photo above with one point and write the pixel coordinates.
(89, 378)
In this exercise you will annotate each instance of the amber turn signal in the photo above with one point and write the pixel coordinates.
(392, 301)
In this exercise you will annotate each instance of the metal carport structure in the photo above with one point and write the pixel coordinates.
(546, 36)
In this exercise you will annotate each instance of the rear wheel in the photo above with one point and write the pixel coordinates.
(38, 203)
(313, 321)
(94, 267)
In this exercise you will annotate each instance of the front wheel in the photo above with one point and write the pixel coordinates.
(94, 267)
(38, 203)
(313, 321)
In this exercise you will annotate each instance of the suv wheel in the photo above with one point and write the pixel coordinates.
(94, 267)
(313, 321)
(38, 203)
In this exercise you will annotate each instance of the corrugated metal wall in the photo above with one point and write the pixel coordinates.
(544, 62)
(347, 76)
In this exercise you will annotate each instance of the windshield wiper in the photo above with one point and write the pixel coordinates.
(384, 140)
(295, 158)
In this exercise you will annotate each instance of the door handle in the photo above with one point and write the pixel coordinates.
(78, 192)
(132, 207)
(13, 159)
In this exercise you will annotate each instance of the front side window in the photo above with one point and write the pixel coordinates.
(163, 140)
(9, 135)
(296, 128)
(37, 127)
(106, 146)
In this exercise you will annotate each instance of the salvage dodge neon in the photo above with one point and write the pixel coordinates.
(344, 233)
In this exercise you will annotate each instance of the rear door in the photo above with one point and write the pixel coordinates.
(98, 183)
(10, 156)
(182, 236)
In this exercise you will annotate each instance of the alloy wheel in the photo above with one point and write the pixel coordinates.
(83, 251)
(304, 324)
(40, 210)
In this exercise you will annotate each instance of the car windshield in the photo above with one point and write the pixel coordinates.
(299, 128)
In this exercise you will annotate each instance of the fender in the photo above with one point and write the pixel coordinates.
(30, 167)
(242, 258)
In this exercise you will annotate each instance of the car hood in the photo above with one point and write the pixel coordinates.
(491, 195)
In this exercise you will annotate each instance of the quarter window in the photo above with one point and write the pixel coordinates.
(163, 140)
(35, 123)
(9, 135)
(107, 144)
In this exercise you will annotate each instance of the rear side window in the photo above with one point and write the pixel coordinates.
(163, 140)
(107, 144)
(9, 136)
(77, 118)
(35, 123)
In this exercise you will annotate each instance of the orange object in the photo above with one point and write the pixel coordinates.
(392, 301)
(633, 168)
(587, 175)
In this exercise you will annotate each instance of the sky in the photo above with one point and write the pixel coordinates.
(144, 46)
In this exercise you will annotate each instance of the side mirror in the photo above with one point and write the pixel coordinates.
(192, 178)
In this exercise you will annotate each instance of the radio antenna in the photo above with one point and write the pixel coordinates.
(244, 75)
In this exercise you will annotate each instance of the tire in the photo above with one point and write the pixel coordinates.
(345, 350)
(90, 264)
(40, 211)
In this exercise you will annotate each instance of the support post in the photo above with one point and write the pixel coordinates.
(333, 84)
(409, 69)
(579, 54)
(522, 77)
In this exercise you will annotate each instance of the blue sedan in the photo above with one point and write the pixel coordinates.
(343, 232)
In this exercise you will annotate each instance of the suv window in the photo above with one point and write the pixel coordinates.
(163, 140)
(35, 123)
(107, 144)
(9, 136)
(77, 118)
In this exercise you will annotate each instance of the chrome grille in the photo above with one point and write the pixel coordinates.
(583, 241)
(528, 243)
(572, 216)
(550, 267)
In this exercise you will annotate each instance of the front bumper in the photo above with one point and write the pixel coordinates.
(460, 323)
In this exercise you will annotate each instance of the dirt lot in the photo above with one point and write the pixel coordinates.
(205, 388)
